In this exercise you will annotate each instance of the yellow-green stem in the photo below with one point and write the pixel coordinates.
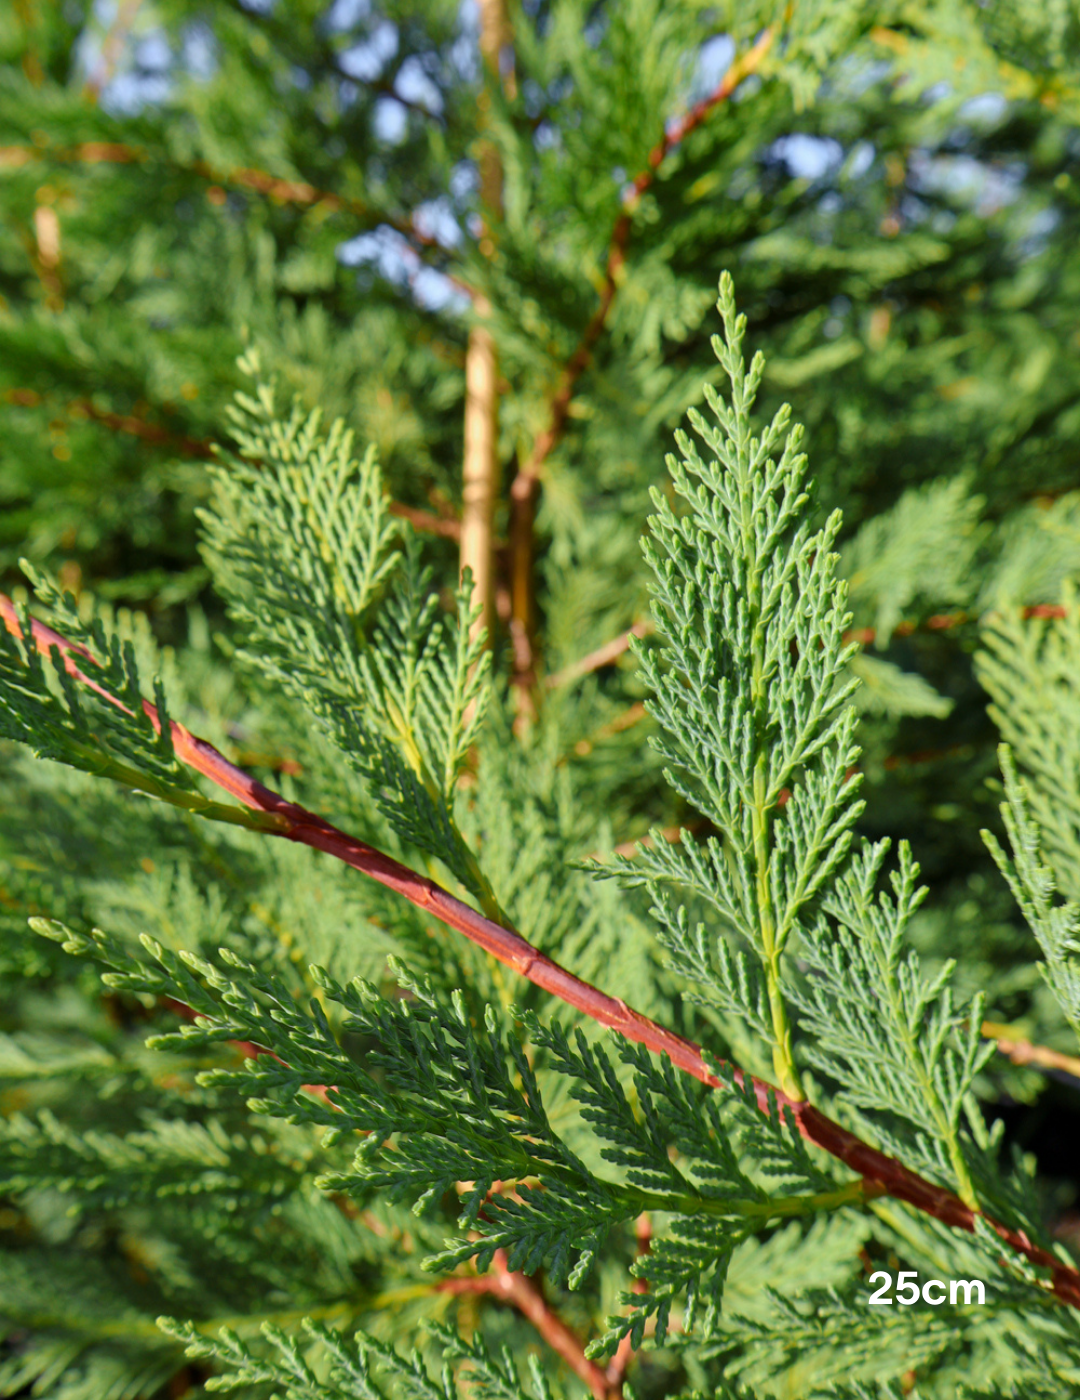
(783, 1048)
(481, 886)
(105, 766)
(965, 1187)
(858, 1192)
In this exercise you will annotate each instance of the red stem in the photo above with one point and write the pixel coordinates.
(282, 191)
(620, 237)
(616, 1370)
(525, 488)
(296, 823)
(940, 622)
(525, 1295)
(602, 656)
(446, 526)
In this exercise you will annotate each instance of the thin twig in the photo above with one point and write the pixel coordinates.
(525, 488)
(203, 449)
(616, 1371)
(277, 189)
(610, 652)
(524, 1294)
(134, 426)
(425, 521)
(945, 622)
(112, 47)
(623, 721)
(1022, 1052)
(282, 191)
(602, 656)
(274, 815)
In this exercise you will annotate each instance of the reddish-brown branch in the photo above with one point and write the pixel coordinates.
(602, 656)
(945, 622)
(425, 521)
(618, 646)
(920, 756)
(524, 1293)
(134, 426)
(296, 823)
(525, 488)
(274, 187)
(616, 1371)
(129, 423)
(201, 448)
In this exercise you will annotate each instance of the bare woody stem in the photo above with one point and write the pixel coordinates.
(596, 660)
(480, 466)
(1022, 1052)
(610, 652)
(157, 434)
(524, 1294)
(273, 815)
(276, 188)
(619, 1363)
(525, 488)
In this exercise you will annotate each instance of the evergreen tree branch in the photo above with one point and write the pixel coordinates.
(445, 526)
(525, 488)
(285, 191)
(273, 814)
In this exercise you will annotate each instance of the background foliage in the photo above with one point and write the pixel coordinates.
(894, 189)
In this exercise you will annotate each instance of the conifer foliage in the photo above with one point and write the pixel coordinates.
(339, 1161)
(388, 1009)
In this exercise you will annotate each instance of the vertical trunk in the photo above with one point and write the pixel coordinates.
(480, 472)
(524, 494)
